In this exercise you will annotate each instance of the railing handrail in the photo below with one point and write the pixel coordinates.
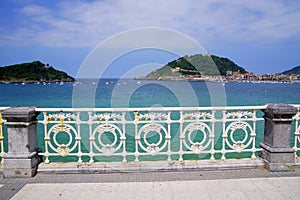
(70, 109)
(151, 109)
(3, 108)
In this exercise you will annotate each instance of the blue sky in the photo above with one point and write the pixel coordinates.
(261, 36)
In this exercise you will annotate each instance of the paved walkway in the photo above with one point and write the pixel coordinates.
(227, 184)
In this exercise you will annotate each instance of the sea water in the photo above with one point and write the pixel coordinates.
(133, 93)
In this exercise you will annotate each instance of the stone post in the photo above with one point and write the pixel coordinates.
(21, 159)
(277, 152)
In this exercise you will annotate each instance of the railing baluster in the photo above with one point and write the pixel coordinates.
(181, 135)
(78, 137)
(169, 137)
(1, 139)
(212, 136)
(224, 135)
(123, 137)
(91, 138)
(46, 138)
(253, 135)
(137, 137)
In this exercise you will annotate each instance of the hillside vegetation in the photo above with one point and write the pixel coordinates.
(197, 65)
(30, 72)
(295, 70)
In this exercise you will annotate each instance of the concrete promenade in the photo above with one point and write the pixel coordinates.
(226, 184)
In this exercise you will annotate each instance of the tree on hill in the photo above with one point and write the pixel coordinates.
(224, 64)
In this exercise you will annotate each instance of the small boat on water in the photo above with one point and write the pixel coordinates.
(76, 83)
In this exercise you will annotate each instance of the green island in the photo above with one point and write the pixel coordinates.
(195, 66)
(35, 71)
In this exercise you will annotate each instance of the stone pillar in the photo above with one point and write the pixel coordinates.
(21, 159)
(277, 152)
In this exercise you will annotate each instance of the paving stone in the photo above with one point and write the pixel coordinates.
(227, 184)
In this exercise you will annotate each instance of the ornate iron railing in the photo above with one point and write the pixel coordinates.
(297, 131)
(138, 134)
(134, 134)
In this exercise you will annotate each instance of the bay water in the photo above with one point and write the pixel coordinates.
(134, 93)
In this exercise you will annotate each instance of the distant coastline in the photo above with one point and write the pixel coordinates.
(215, 69)
(34, 81)
(218, 80)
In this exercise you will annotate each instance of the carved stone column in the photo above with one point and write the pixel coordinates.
(277, 152)
(21, 159)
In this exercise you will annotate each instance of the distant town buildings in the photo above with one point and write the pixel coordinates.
(237, 76)
(248, 76)
(230, 77)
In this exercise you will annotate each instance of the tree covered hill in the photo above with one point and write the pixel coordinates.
(197, 65)
(30, 72)
(295, 70)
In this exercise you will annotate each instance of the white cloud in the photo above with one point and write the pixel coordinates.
(35, 10)
(84, 23)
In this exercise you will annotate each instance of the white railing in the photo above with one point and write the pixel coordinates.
(297, 130)
(134, 133)
(137, 134)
